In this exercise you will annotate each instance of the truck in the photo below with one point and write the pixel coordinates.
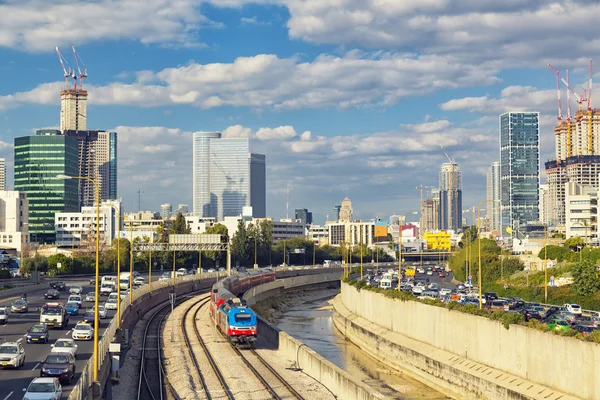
(54, 315)
(124, 280)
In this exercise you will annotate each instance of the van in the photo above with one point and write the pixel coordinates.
(107, 288)
(108, 279)
(385, 284)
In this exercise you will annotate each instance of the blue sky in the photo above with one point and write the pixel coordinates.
(345, 97)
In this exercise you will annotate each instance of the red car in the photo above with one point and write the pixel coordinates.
(442, 275)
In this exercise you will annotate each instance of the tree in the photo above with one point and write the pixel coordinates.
(584, 278)
(240, 246)
(180, 225)
(574, 242)
(216, 256)
(558, 253)
(65, 264)
(468, 236)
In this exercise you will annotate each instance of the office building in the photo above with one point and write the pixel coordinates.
(346, 211)
(450, 197)
(351, 233)
(303, 215)
(38, 159)
(519, 168)
(493, 213)
(166, 210)
(285, 229)
(336, 212)
(227, 177)
(318, 234)
(79, 228)
(97, 159)
(430, 213)
(581, 212)
(73, 110)
(2, 174)
(14, 224)
(182, 209)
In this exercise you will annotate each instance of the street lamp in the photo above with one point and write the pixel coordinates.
(96, 295)
(118, 212)
(479, 244)
(255, 254)
(400, 245)
(130, 262)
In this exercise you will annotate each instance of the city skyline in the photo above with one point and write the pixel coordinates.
(336, 113)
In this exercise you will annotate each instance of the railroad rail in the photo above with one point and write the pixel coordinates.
(209, 357)
(263, 379)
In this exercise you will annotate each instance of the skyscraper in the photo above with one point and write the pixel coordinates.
(38, 159)
(97, 159)
(2, 174)
(166, 210)
(346, 211)
(73, 110)
(450, 214)
(336, 212)
(494, 215)
(304, 215)
(227, 177)
(519, 168)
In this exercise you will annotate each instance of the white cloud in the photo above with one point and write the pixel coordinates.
(37, 25)
(237, 131)
(266, 81)
(253, 21)
(279, 133)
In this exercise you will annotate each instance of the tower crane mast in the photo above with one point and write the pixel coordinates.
(560, 114)
(82, 74)
(66, 70)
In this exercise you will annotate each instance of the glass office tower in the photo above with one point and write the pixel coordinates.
(519, 168)
(38, 159)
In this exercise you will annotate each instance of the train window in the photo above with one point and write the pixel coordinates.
(242, 317)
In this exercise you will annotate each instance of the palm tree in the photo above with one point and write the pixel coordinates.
(585, 222)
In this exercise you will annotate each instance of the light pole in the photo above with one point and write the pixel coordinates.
(118, 210)
(130, 262)
(96, 295)
(255, 253)
(546, 262)
(400, 245)
(479, 245)
(174, 260)
(314, 254)
(361, 253)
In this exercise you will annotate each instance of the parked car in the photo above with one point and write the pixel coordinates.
(43, 389)
(37, 334)
(531, 313)
(3, 315)
(52, 294)
(558, 325)
(64, 346)
(499, 305)
(584, 329)
(516, 303)
(12, 354)
(572, 308)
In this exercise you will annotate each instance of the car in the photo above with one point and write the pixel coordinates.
(490, 296)
(3, 315)
(74, 298)
(516, 303)
(430, 272)
(77, 289)
(92, 281)
(572, 308)
(60, 286)
(163, 278)
(59, 365)
(83, 331)
(72, 308)
(12, 354)
(210, 270)
(88, 316)
(139, 281)
(421, 270)
(531, 313)
(558, 325)
(52, 294)
(19, 306)
(499, 305)
(90, 297)
(43, 389)
(445, 292)
(442, 274)
(107, 288)
(101, 311)
(64, 346)
(584, 329)
(37, 334)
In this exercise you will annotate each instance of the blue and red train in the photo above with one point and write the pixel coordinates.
(232, 317)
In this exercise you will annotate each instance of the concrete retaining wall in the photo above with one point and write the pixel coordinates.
(550, 361)
(338, 381)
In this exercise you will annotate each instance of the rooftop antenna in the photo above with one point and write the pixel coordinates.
(139, 193)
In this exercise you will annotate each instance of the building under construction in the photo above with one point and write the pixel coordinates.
(577, 141)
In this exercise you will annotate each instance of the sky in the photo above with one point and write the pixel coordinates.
(347, 98)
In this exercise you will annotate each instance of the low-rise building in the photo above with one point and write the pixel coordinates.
(352, 233)
(74, 228)
(14, 223)
(440, 240)
(318, 234)
(581, 211)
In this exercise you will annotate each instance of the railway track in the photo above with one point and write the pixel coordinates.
(206, 354)
(151, 375)
(274, 383)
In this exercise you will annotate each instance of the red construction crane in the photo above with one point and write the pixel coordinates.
(590, 88)
(82, 74)
(67, 69)
(560, 114)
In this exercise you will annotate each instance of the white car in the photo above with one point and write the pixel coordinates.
(573, 308)
(111, 304)
(163, 278)
(82, 331)
(64, 346)
(75, 298)
(77, 289)
(12, 354)
(43, 389)
(107, 288)
(421, 270)
(90, 297)
(101, 311)
(430, 272)
(139, 281)
(444, 292)
(4, 315)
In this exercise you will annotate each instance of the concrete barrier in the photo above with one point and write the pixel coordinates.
(339, 382)
(471, 354)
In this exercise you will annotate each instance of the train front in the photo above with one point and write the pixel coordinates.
(241, 328)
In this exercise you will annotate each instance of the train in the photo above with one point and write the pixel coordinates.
(229, 312)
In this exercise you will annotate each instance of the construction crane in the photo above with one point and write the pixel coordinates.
(82, 74)
(560, 114)
(66, 70)
(590, 113)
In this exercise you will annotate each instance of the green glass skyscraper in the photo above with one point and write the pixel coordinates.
(38, 159)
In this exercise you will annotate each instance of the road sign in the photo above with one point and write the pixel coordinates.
(470, 281)
(58, 265)
(552, 280)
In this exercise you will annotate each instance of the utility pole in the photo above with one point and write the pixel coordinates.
(139, 193)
